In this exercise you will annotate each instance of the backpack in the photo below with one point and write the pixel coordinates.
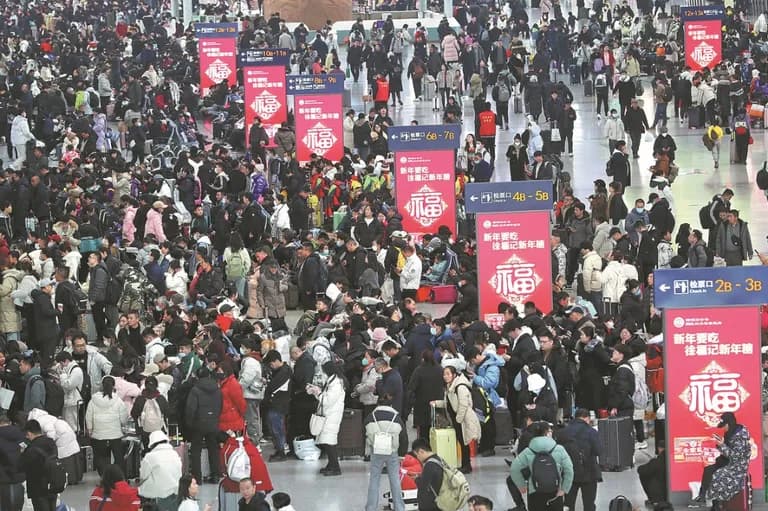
(54, 395)
(78, 299)
(235, 266)
(620, 503)
(382, 441)
(323, 275)
(93, 99)
(667, 95)
(704, 218)
(151, 418)
(601, 81)
(578, 456)
(480, 401)
(762, 177)
(640, 396)
(55, 474)
(710, 256)
(503, 92)
(454, 492)
(114, 289)
(545, 474)
(239, 463)
(597, 65)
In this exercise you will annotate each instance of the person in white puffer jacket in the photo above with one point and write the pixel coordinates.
(71, 379)
(104, 420)
(160, 472)
(67, 447)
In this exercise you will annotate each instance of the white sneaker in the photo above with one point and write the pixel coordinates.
(599, 117)
(570, 155)
(641, 445)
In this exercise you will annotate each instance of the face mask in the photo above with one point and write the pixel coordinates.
(219, 376)
(433, 331)
(518, 143)
(364, 362)
(609, 325)
(637, 292)
(387, 358)
(243, 351)
(339, 243)
(640, 211)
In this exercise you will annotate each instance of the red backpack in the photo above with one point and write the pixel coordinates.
(654, 368)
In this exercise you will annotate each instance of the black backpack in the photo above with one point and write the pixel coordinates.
(481, 402)
(704, 218)
(78, 299)
(56, 475)
(54, 395)
(710, 256)
(620, 503)
(114, 289)
(545, 474)
(579, 456)
(762, 177)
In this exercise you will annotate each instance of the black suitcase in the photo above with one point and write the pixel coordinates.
(575, 73)
(505, 432)
(548, 146)
(517, 103)
(73, 466)
(696, 117)
(589, 87)
(659, 433)
(617, 443)
(132, 458)
(351, 438)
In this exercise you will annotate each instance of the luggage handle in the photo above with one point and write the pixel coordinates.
(433, 409)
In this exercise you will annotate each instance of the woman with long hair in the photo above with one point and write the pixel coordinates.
(238, 264)
(188, 491)
(425, 385)
(114, 493)
(331, 406)
(104, 420)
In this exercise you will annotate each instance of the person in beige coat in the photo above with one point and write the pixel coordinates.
(458, 399)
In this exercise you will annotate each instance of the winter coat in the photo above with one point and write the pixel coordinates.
(349, 128)
(450, 48)
(366, 389)
(71, 380)
(98, 366)
(588, 441)
(697, 255)
(488, 374)
(285, 141)
(11, 437)
(20, 133)
(129, 230)
(638, 364)
(34, 390)
(591, 273)
(614, 281)
(620, 390)
(383, 419)
(203, 407)
(602, 242)
(160, 472)
(525, 461)
(32, 459)
(57, 430)
(255, 311)
(177, 282)
(46, 327)
(105, 417)
(10, 319)
(614, 129)
(594, 359)
(331, 405)
(580, 230)
(271, 294)
(233, 406)
(425, 385)
(618, 169)
(251, 378)
(98, 281)
(123, 497)
(154, 225)
(729, 480)
(458, 397)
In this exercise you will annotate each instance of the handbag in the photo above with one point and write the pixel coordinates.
(556, 135)
(317, 420)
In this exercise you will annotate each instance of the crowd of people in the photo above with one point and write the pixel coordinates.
(147, 272)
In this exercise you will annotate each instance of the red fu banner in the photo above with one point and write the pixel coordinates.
(319, 127)
(513, 262)
(217, 47)
(425, 194)
(265, 97)
(715, 354)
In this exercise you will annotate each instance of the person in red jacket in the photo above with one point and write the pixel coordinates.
(114, 493)
(381, 92)
(233, 404)
(486, 129)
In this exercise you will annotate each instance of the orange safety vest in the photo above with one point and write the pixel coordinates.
(487, 124)
(382, 91)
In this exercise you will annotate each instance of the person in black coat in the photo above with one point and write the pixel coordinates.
(277, 397)
(11, 474)
(622, 386)
(201, 415)
(583, 445)
(517, 155)
(632, 312)
(594, 359)
(618, 166)
(426, 385)
(309, 276)
(302, 405)
(635, 123)
(469, 298)
(299, 211)
(556, 361)
(653, 476)
(46, 327)
(367, 229)
(431, 479)
(258, 139)
(660, 216)
(39, 449)
(209, 282)
(253, 221)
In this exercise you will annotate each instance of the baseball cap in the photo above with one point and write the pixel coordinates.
(574, 308)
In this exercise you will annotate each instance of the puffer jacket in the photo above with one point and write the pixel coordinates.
(10, 319)
(331, 405)
(203, 406)
(525, 461)
(383, 419)
(154, 225)
(450, 48)
(251, 378)
(160, 472)
(459, 397)
(105, 417)
(233, 406)
(366, 389)
(123, 497)
(487, 376)
(11, 437)
(20, 133)
(57, 430)
(591, 274)
(98, 367)
(638, 364)
(271, 294)
(71, 380)
(98, 281)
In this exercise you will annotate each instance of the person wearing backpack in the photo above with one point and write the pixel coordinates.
(252, 381)
(150, 410)
(34, 386)
(98, 282)
(582, 443)
(543, 471)
(237, 263)
(382, 436)
(39, 452)
(621, 388)
(698, 256)
(201, 420)
(430, 481)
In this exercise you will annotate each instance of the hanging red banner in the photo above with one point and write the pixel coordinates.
(319, 125)
(217, 47)
(265, 97)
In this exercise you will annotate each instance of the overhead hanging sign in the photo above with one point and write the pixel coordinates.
(423, 137)
(710, 287)
(314, 84)
(508, 196)
(217, 48)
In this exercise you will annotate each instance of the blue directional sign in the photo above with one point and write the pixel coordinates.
(508, 196)
(264, 57)
(424, 138)
(215, 30)
(315, 84)
(710, 287)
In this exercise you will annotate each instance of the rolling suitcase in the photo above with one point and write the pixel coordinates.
(589, 88)
(73, 466)
(443, 294)
(517, 103)
(442, 439)
(132, 458)
(86, 458)
(575, 73)
(505, 432)
(617, 443)
(409, 496)
(351, 439)
(696, 117)
(734, 158)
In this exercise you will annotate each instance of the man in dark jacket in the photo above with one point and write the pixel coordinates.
(299, 211)
(431, 479)
(302, 405)
(618, 166)
(277, 396)
(310, 276)
(11, 474)
(201, 416)
(635, 123)
(653, 476)
(390, 383)
(258, 140)
(583, 445)
(46, 329)
(97, 293)
(39, 449)
(520, 350)
(65, 300)
(209, 281)
(660, 216)
(469, 297)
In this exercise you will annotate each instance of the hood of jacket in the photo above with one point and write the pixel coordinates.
(101, 400)
(492, 359)
(542, 443)
(207, 385)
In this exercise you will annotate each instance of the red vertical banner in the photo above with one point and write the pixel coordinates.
(319, 127)
(715, 353)
(425, 196)
(513, 261)
(703, 43)
(265, 97)
(217, 47)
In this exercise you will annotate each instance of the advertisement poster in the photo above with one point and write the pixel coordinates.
(265, 97)
(513, 262)
(319, 125)
(424, 183)
(703, 35)
(217, 47)
(716, 356)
